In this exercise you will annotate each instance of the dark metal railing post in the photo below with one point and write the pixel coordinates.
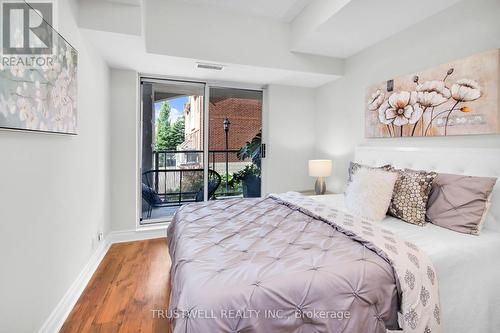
(156, 168)
(227, 123)
(180, 186)
(227, 169)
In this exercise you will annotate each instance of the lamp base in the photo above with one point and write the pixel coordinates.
(320, 186)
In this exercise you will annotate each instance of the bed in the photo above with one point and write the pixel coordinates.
(467, 267)
(287, 263)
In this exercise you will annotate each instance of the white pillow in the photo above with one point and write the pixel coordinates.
(369, 193)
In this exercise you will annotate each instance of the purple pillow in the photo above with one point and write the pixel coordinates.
(459, 203)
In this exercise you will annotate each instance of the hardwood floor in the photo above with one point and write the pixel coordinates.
(131, 281)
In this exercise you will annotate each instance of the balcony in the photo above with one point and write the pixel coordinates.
(177, 178)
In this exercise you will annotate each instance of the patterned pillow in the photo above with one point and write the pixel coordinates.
(354, 167)
(411, 192)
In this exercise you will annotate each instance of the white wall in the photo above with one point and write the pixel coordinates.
(54, 198)
(124, 149)
(289, 135)
(469, 27)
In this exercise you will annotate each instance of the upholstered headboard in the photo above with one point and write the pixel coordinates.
(462, 161)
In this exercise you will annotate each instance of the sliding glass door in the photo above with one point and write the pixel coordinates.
(178, 135)
(234, 138)
(172, 170)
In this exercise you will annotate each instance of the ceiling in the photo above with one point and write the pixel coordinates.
(293, 42)
(282, 10)
(342, 28)
(138, 59)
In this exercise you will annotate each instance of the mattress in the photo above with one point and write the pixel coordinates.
(467, 266)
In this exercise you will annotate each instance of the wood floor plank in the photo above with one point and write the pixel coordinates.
(131, 281)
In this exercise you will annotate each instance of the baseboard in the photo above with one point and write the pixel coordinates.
(135, 235)
(57, 317)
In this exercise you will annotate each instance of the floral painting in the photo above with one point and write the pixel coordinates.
(458, 98)
(41, 98)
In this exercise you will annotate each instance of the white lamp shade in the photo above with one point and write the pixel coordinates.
(320, 168)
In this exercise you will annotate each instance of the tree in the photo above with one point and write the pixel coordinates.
(168, 136)
(163, 127)
(176, 134)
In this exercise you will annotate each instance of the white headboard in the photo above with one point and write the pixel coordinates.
(463, 161)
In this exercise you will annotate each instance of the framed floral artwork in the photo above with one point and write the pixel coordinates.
(39, 92)
(458, 98)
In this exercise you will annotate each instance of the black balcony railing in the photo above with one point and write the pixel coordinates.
(179, 173)
(174, 186)
(164, 159)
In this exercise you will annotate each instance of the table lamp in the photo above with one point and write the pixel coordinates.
(320, 169)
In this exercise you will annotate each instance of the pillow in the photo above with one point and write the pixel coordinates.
(369, 193)
(411, 192)
(354, 167)
(460, 203)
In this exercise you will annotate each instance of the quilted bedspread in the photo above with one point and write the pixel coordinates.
(286, 263)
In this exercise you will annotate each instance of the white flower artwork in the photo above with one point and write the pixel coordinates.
(400, 109)
(465, 90)
(432, 93)
(376, 100)
(41, 98)
(458, 98)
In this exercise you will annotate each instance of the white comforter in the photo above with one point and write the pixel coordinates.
(468, 270)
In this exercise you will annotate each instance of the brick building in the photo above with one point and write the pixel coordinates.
(244, 114)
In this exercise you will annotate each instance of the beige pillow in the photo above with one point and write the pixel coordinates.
(460, 203)
(369, 193)
(411, 192)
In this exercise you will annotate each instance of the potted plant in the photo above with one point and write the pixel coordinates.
(250, 177)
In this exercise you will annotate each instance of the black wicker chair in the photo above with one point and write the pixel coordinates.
(157, 200)
(152, 199)
(214, 180)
